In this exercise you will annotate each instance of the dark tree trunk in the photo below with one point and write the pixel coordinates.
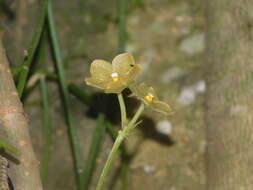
(229, 97)
(14, 128)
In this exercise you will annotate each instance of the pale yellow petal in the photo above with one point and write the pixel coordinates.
(134, 71)
(101, 69)
(142, 90)
(95, 83)
(114, 90)
(151, 90)
(161, 107)
(123, 63)
(115, 87)
(147, 90)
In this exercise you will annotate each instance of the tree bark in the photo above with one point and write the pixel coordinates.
(229, 115)
(24, 174)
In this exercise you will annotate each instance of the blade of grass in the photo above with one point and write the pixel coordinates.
(73, 138)
(46, 127)
(96, 142)
(32, 49)
(46, 130)
(121, 17)
(79, 93)
(113, 133)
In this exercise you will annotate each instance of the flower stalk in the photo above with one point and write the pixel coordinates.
(122, 110)
(121, 136)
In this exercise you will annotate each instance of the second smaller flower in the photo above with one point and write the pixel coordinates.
(148, 96)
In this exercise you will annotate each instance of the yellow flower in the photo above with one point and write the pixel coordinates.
(147, 95)
(115, 77)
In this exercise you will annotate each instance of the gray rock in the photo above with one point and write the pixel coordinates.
(172, 74)
(193, 44)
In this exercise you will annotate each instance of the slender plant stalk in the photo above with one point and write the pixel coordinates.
(123, 155)
(96, 142)
(121, 14)
(46, 129)
(121, 136)
(73, 138)
(32, 49)
(79, 93)
(108, 163)
(122, 110)
(124, 165)
(46, 125)
(113, 133)
(110, 129)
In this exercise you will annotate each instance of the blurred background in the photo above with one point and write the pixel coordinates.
(165, 36)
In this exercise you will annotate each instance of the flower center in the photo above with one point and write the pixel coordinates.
(115, 77)
(149, 97)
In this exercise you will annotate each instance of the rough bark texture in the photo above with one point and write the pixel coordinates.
(3, 173)
(230, 94)
(14, 129)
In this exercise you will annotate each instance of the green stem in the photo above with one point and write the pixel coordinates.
(46, 125)
(32, 49)
(122, 110)
(108, 163)
(121, 136)
(46, 129)
(79, 93)
(73, 137)
(122, 25)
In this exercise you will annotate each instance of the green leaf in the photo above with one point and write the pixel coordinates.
(8, 147)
